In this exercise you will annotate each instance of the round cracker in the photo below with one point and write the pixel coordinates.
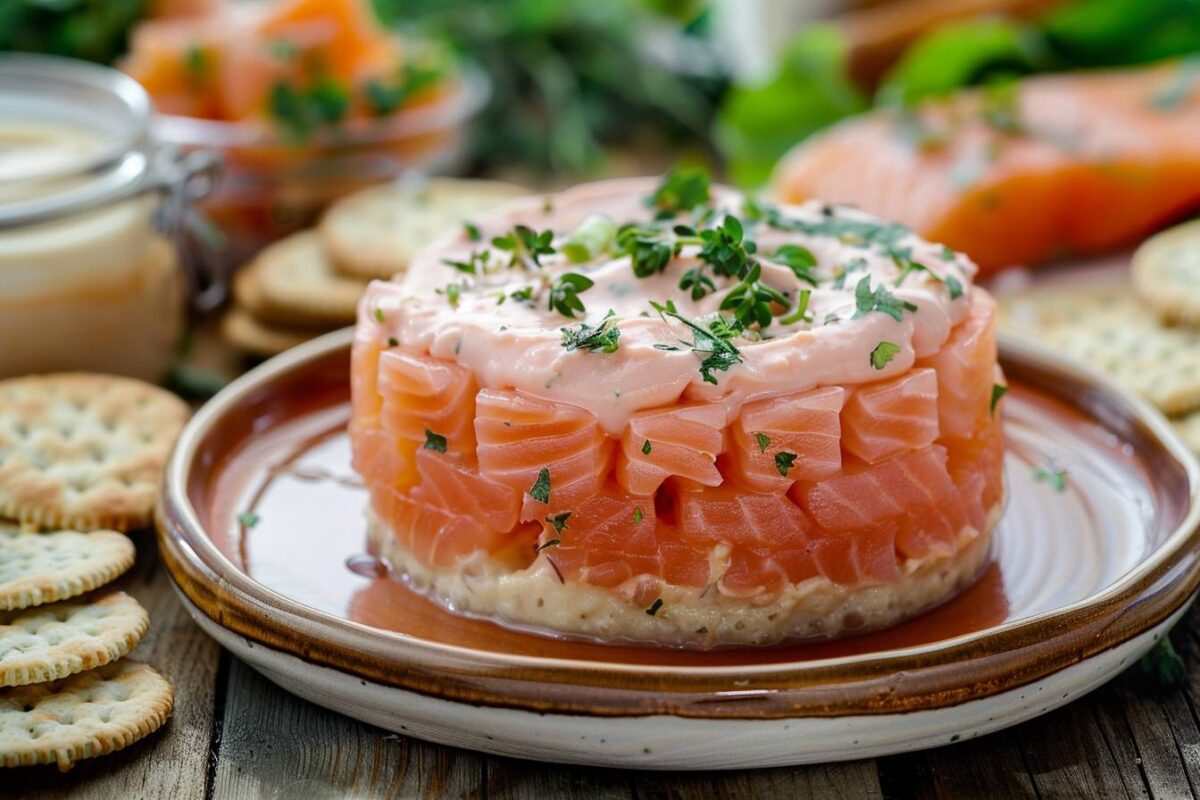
(245, 332)
(82, 451)
(297, 285)
(37, 568)
(1166, 272)
(51, 642)
(374, 233)
(86, 715)
(1107, 328)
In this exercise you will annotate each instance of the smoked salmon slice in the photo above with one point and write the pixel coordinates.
(448, 483)
(781, 440)
(682, 441)
(1065, 163)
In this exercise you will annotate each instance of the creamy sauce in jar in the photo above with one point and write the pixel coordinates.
(497, 320)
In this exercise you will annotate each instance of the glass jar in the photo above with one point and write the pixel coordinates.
(91, 277)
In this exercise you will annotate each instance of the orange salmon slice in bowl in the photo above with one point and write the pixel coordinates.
(819, 455)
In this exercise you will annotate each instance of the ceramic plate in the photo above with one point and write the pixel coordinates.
(261, 526)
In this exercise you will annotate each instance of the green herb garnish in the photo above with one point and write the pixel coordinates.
(800, 314)
(654, 607)
(799, 259)
(564, 294)
(763, 440)
(475, 264)
(646, 447)
(1163, 664)
(784, 462)
(472, 231)
(713, 342)
(881, 300)
(637, 515)
(699, 283)
(595, 235)
(248, 519)
(393, 341)
(559, 521)
(883, 353)
(998, 391)
(526, 245)
(1056, 477)
(384, 98)
(524, 294)
(379, 315)
(540, 490)
(649, 249)
(954, 286)
(603, 338)
(547, 543)
(301, 112)
(434, 441)
(681, 189)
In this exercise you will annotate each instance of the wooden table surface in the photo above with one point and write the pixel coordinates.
(235, 735)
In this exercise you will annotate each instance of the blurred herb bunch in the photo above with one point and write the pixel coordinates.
(96, 30)
(571, 76)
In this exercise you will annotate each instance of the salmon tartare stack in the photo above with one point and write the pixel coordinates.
(655, 410)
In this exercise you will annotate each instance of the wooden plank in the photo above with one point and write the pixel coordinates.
(1069, 756)
(513, 779)
(987, 767)
(856, 779)
(275, 745)
(173, 763)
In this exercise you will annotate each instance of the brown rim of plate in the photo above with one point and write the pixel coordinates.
(937, 675)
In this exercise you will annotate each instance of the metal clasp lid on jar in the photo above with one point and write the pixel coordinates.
(123, 164)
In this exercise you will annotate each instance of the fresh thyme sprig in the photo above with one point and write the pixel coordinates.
(526, 245)
(564, 293)
(881, 300)
(751, 300)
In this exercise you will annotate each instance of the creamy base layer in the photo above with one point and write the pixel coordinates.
(817, 608)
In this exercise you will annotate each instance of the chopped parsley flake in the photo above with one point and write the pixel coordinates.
(954, 286)
(393, 341)
(883, 353)
(880, 300)
(564, 294)
(1055, 476)
(998, 391)
(379, 317)
(434, 441)
(637, 515)
(248, 519)
(784, 462)
(548, 543)
(559, 521)
(524, 294)
(654, 607)
(603, 338)
(713, 342)
(475, 264)
(472, 231)
(646, 447)
(763, 440)
(540, 490)
(681, 189)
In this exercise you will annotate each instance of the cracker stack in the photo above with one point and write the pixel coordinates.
(310, 282)
(78, 453)
(1146, 336)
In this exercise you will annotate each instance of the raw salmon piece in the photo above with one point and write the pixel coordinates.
(981, 455)
(365, 400)
(865, 556)
(379, 457)
(605, 540)
(424, 396)
(867, 495)
(448, 483)
(965, 367)
(348, 29)
(1096, 161)
(884, 419)
(433, 534)
(805, 424)
(520, 435)
(683, 441)
(178, 61)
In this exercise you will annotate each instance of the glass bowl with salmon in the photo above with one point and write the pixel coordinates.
(655, 410)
